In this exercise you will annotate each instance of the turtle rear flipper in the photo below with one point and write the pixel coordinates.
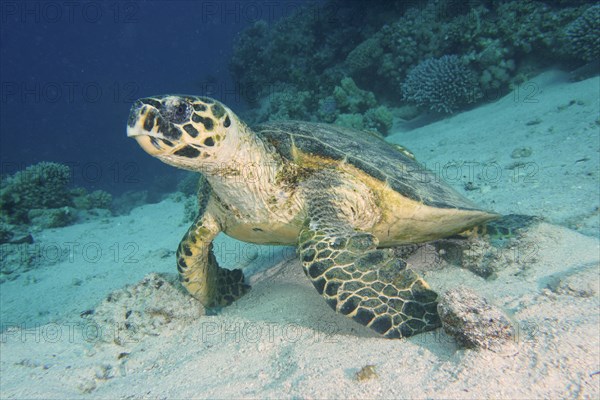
(369, 285)
(198, 269)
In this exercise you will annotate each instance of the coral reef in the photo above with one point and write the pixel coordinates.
(287, 102)
(442, 84)
(41, 195)
(5, 232)
(413, 37)
(301, 60)
(43, 185)
(286, 71)
(350, 98)
(304, 48)
(500, 40)
(100, 199)
(380, 119)
(583, 35)
(82, 200)
(348, 105)
(52, 217)
(355, 108)
(355, 121)
(362, 56)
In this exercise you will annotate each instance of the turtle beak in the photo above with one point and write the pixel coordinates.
(137, 123)
(141, 127)
(149, 144)
(154, 133)
(143, 119)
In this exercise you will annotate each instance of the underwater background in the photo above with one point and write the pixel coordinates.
(499, 98)
(71, 71)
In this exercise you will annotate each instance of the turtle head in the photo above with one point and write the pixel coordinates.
(183, 131)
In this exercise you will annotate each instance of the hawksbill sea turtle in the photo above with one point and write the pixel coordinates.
(342, 196)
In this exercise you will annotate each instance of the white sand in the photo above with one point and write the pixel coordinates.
(282, 340)
(557, 120)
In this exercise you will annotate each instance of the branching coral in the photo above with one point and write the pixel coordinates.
(100, 199)
(353, 107)
(583, 35)
(364, 55)
(442, 84)
(380, 119)
(351, 98)
(289, 103)
(284, 102)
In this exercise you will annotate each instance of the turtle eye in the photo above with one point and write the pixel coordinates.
(178, 113)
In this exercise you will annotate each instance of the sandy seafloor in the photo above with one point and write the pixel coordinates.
(535, 151)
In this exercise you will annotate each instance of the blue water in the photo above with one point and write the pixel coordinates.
(70, 73)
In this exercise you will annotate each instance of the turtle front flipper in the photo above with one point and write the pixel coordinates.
(198, 269)
(369, 285)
